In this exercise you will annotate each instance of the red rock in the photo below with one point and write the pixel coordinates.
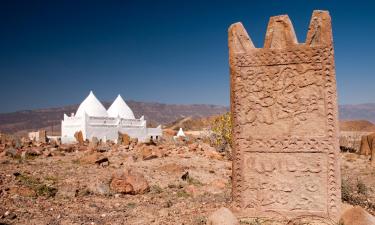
(92, 157)
(148, 153)
(123, 139)
(129, 182)
(357, 216)
(79, 137)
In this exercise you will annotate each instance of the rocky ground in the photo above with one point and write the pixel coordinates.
(133, 183)
(74, 184)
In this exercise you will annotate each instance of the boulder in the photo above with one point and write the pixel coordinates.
(93, 158)
(367, 144)
(151, 152)
(129, 182)
(357, 216)
(223, 216)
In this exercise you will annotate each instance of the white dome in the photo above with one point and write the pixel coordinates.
(92, 107)
(121, 109)
(180, 133)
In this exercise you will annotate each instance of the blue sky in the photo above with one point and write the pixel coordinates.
(52, 53)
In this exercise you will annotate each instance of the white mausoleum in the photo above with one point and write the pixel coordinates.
(95, 121)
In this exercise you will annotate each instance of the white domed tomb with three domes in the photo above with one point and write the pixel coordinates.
(93, 120)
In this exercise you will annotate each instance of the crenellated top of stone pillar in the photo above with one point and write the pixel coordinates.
(285, 126)
(280, 33)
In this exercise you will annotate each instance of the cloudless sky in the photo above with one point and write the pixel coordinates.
(52, 53)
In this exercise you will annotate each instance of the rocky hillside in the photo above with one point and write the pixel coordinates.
(357, 125)
(155, 113)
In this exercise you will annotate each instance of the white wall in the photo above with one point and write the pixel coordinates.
(105, 128)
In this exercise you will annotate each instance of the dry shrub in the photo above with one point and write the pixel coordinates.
(355, 192)
(222, 131)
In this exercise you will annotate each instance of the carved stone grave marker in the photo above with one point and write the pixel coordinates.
(285, 132)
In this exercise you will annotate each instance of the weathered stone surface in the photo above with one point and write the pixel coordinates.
(223, 216)
(367, 144)
(123, 139)
(129, 182)
(79, 137)
(285, 130)
(42, 136)
(357, 216)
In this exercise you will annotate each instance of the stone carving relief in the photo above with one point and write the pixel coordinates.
(284, 108)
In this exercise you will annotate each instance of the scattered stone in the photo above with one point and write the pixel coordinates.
(123, 139)
(223, 216)
(92, 158)
(148, 153)
(357, 216)
(129, 182)
(367, 144)
(79, 137)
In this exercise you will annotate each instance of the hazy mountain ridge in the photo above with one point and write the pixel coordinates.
(364, 111)
(155, 113)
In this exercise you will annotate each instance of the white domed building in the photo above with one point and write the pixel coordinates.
(95, 121)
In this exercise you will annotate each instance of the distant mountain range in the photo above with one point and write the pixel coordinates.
(358, 112)
(50, 118)
(155, 113)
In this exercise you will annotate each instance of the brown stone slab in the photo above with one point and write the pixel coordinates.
(285, 129)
